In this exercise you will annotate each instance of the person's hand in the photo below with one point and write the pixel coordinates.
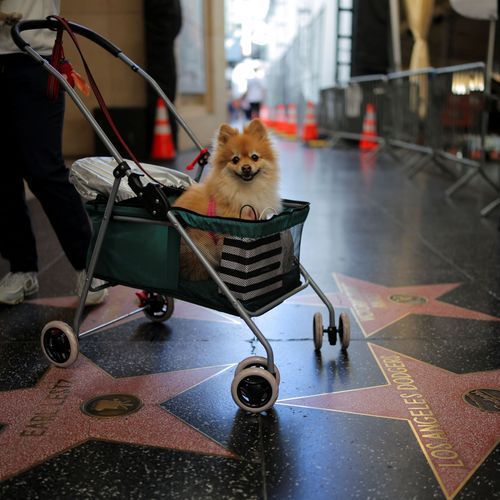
(10, 18)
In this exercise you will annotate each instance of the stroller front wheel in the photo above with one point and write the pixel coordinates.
(59, 343)
(257, 362)
(158, 308)
(254, 389)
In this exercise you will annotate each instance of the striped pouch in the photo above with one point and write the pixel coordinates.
(252, 267)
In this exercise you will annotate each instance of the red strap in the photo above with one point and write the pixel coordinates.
(55, 60)
(211, 207)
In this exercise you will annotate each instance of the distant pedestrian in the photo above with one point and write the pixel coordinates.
(254, 95)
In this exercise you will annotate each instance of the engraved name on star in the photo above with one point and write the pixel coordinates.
(454, 435)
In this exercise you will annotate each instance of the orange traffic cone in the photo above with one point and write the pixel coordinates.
(310, 130)
(291, 126)
(264, 115)
(367, 141)
(163, 146)
(271, 122)
(280, 124)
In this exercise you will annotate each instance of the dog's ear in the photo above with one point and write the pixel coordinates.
(256, 128)
(225, 133)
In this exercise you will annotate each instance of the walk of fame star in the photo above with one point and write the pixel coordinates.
(376, 306)
(48, 419)
(455, 436)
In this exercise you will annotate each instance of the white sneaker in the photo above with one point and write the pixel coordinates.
(93, 298)
(14, 287)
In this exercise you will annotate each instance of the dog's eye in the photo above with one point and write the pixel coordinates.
(235, 159)
(254, 157)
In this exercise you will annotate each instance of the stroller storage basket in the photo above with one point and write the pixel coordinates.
(142, 252)
(138, 251)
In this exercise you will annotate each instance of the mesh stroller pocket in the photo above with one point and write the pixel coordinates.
(257, 260)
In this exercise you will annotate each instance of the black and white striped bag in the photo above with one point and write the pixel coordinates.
(254, 267)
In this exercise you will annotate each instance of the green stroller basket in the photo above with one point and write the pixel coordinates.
(259, 259)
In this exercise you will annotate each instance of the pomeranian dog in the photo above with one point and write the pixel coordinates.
(243, 183)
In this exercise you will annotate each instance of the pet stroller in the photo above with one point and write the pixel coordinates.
(258, 270)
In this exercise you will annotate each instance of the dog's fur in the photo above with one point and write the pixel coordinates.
(244, 172)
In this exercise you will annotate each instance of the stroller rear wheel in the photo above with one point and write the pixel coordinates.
(59, 343)
(159, 308)
(254, 389)
(344, 330)
(318, 331)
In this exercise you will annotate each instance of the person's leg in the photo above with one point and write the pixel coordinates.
(255, 109)
(17, 241)
(170, 88)
(166, 78)
(163, 21)
(38, 129)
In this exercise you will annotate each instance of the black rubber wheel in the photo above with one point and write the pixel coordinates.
(159, 308)
(59, 343)
(254, 390)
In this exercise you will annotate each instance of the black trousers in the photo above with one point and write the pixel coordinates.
(163, 22)
(30, 149)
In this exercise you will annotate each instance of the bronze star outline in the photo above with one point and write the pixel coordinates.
(466, 435)
(374, 309)
(45, 420)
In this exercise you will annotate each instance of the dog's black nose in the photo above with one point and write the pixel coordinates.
(246, 169)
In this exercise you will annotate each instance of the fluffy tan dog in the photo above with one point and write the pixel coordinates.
(244, 173)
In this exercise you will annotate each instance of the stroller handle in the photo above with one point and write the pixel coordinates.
(53, 24)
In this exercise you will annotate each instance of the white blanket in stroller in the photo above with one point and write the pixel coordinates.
(94, 175)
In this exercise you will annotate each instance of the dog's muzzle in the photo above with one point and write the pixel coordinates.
(247, 174)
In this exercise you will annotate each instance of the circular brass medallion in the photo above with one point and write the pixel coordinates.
(111, 405)
(401, 298)
(484, 399)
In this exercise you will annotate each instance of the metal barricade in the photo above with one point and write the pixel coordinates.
(330, 114)
(410, 124)
(343, 110)
(460, 104)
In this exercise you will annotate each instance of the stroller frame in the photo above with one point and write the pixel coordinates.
(255, 387)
